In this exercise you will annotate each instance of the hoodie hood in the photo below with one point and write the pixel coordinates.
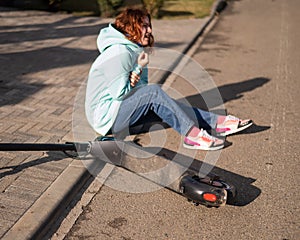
(110, 36)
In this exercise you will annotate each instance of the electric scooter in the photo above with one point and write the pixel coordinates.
(204, 189)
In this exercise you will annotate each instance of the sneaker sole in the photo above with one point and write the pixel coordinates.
(203, 147)
(235, 130)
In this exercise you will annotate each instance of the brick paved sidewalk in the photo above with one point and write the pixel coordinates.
(45, 57)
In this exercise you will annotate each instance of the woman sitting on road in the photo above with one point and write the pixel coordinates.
(118, 96)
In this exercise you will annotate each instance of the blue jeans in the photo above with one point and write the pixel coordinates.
(151, 104)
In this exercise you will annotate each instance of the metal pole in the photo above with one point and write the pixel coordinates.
(37, 147)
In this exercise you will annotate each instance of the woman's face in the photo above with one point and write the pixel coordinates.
(146, 31)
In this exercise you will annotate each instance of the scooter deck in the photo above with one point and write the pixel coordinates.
(174, 174)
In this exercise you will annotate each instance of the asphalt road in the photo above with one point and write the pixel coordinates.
(253, 56)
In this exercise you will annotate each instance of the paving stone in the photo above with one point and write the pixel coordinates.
(21, 194)
(4, 226)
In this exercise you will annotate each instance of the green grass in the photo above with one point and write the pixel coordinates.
(183, 9)
(180, 9)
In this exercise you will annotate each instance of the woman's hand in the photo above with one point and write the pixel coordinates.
(134, 79)
(143, 59)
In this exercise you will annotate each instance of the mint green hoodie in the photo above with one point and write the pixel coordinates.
(108, 81)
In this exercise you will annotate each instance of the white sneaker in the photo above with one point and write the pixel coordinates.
(232, 125)
(203, 141)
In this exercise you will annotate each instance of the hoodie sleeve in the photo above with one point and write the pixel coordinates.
(118, 67)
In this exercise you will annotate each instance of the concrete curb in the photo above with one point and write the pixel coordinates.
(50, 204)
(54, 201)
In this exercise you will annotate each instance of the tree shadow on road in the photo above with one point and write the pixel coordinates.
(228, 93)
(34, 53)
(14, 87)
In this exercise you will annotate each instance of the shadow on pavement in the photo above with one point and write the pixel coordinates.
(228, 92)
(246, 192)
(64, 28)
(14, 169)
(14, 86)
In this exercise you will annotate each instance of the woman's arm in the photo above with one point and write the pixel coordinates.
(117, 69)
(137, 76)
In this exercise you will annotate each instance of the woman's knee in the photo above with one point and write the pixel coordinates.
(154, 89)
(149, 90)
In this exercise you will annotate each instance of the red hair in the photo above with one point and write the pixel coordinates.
(130, 22)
